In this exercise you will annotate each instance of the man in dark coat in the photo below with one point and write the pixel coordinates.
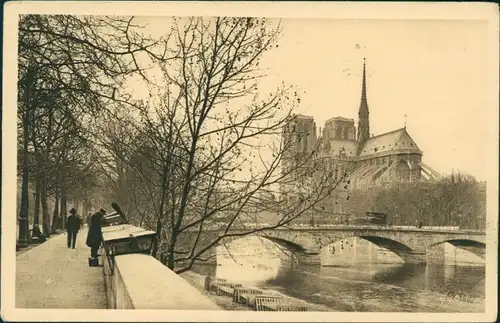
(72, 227)
(94, 236)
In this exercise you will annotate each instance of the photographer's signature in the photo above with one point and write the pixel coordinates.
(454, 298)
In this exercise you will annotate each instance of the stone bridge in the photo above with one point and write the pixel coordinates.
(411, 244)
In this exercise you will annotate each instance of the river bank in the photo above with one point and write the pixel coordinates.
(226, 303)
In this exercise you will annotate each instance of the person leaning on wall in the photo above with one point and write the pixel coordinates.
(94, 236)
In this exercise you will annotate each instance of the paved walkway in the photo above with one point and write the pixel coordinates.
(53, 276)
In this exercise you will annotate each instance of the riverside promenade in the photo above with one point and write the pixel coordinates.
(53, 276)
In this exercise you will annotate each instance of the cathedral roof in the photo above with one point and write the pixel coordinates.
(303, 116)
(390, 141)
(350, 120)
(335, 147)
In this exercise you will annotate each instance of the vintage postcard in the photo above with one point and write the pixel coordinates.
(250, 161)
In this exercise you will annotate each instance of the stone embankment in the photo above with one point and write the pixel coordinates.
(236, 296)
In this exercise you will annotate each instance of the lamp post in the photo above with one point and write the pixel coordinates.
(22, 240)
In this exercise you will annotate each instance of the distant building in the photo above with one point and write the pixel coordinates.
(367, 160)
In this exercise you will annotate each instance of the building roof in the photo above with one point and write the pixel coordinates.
(340, 119)
(333, 147)
(303, 116)
(394, 140)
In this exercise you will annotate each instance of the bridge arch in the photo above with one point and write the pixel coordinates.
(473, 246)
(465, 242)
(293, 247)
(400, 249)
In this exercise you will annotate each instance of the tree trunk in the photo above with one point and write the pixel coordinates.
(85, 209)
(36, 216)
(170, 256)
(45, 210)
(55, 215)
(157, 238)
(64, 195)
(171, 248)
(24, 209)
(64, 209)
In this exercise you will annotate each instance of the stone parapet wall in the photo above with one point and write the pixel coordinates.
(137, 281)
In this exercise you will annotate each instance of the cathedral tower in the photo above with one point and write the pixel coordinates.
(363, 114)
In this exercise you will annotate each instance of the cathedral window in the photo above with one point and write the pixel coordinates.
(338, 133)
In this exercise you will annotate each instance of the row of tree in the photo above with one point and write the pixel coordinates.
(69, 69)
(457, 199)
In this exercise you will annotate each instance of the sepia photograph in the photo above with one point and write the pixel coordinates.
(211, 161)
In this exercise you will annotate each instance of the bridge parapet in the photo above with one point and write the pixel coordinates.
(410, 243)
(299, 227)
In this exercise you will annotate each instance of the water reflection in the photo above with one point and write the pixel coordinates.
(253, 260)
(449, 274)
(249, 272)
(360, 287)
(413, 288)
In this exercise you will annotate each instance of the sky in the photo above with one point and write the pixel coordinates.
(433, 71)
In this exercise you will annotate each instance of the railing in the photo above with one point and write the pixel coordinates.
(240, 294)
(263, 302)
(266, 303)
(255, 298)
(225, 289)
(303, 227)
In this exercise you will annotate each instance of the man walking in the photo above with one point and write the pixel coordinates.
(94, 236)
(72, 227)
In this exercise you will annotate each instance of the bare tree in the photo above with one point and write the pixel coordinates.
(78, 64)
(210, 140)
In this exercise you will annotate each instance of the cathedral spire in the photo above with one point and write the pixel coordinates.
(363, 114)
(363, 85)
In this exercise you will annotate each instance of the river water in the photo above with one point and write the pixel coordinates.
(371, 287)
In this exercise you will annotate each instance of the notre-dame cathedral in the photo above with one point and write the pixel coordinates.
(365, 159)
